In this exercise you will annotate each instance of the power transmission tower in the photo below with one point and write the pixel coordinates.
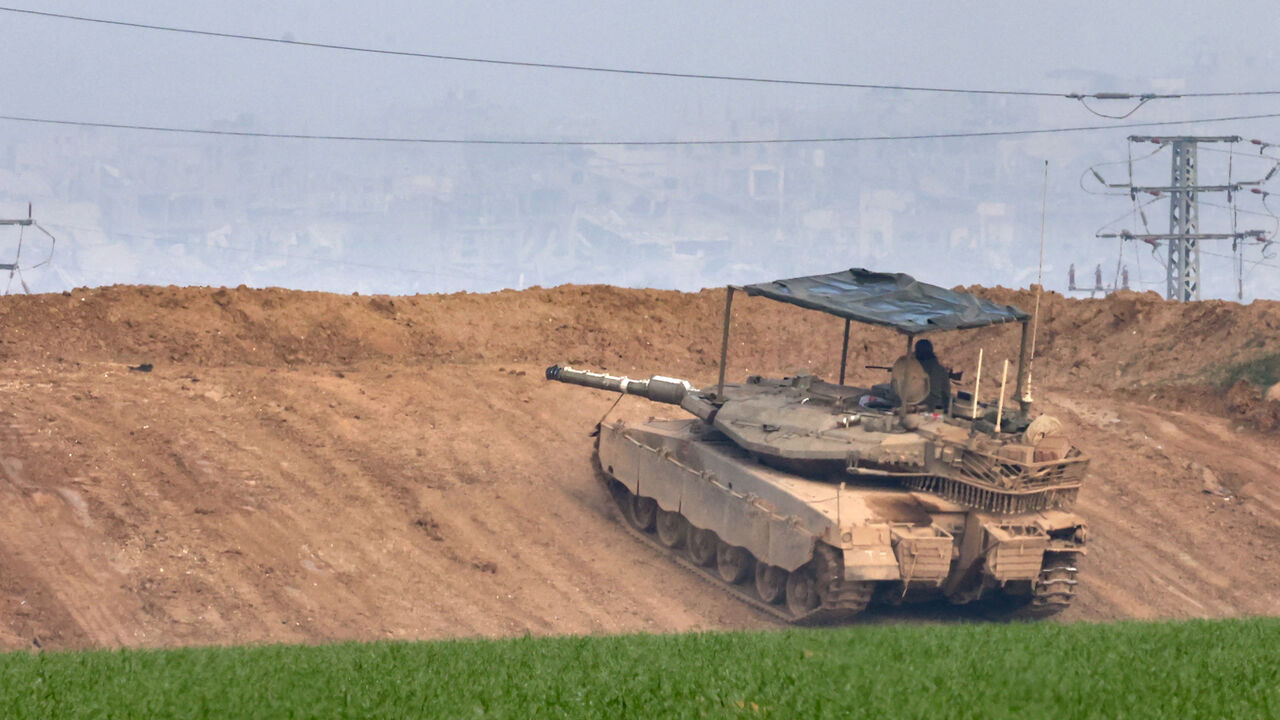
(15, 267)
(1182, 273)
(1182, 269)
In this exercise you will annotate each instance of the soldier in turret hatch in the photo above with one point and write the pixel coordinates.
(939, 376)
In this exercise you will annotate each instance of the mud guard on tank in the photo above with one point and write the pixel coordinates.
(869, 555)
(924, 553)
(1014, 552)
(997, 551)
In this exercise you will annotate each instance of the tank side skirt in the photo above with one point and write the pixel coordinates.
(713, 499)
(730, 469)
(819, 615)
(708, 501)
(758, 513)
(612, 453)
(656, 479)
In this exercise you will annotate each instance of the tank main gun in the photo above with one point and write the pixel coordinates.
(659, 388)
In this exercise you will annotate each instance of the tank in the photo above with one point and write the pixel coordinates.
(811, 499)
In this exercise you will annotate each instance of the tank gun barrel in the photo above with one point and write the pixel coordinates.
(657, 388)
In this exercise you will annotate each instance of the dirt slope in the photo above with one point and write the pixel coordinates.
(308, 467)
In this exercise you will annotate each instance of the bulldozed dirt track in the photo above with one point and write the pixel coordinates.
(312, 467)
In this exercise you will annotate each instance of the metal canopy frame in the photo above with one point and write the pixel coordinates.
(894, 300)
(1010, 314)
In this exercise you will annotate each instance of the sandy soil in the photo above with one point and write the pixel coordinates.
(311, 467)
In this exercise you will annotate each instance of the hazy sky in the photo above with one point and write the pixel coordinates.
(66, 68)
(62, 69)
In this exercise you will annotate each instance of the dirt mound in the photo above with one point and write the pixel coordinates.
(1126, 341)
(305, 466)
(1259, 408)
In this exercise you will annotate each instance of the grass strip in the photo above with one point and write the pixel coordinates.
(1262, 370)
(1195, 669)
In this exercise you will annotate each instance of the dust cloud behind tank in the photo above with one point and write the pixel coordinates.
(810, 499)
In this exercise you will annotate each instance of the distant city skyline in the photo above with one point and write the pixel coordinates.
(133, 207)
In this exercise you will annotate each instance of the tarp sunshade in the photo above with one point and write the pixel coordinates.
(894, 300)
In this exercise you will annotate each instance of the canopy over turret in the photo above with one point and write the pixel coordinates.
(894, 300)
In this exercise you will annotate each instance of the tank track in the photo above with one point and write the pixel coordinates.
(1055, 587)
(1048, 594)
(840, 600)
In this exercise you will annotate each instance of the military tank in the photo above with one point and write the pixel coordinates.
(809, 499)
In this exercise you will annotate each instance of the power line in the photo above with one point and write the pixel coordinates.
(1228, 207)
(1129, 162)
(1232, 257)
(1260, 155)
(646, 143)
(1141, 98)
(1237, 153)
(1127, 213)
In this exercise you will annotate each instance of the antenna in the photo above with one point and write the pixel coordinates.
(1004, 377)
(1035, 315)
(977, 385)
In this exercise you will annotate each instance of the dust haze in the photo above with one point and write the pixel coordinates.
(136, 207)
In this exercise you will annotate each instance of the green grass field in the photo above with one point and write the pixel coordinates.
(1209, 669)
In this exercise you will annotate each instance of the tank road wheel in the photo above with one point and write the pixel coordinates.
(771, 583)
(802, 591)
(672, 528)
(732, 563)
(701, 546)
(642, 512)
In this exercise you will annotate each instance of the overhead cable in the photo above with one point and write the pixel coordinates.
(1093, 169)
(1231, 257)
(1140, 98)
(1260, 155)
(1128, 213)
(638, 143)
(1143, 100)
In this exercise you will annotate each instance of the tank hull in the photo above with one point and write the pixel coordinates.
(831, 542)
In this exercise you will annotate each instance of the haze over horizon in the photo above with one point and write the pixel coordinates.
(139, 207)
